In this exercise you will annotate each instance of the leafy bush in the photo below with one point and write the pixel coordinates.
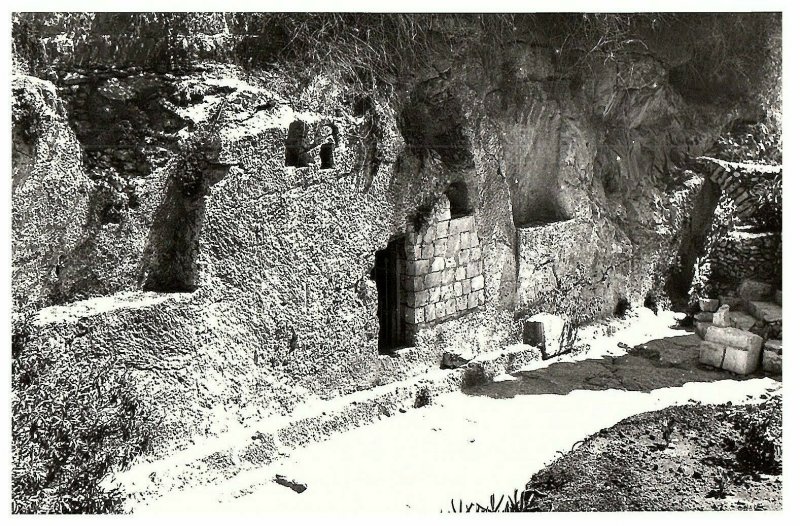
(762, 450)
(75, 417)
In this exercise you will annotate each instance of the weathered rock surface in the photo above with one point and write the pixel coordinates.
(754, 290)
(765, 311)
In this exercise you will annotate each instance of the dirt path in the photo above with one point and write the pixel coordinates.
(489, 440)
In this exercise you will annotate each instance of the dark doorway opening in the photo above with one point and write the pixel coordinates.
(459, 199)
(295, 145)
(326, 156)
(387, 276)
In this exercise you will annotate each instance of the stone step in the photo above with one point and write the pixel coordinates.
(765, 311)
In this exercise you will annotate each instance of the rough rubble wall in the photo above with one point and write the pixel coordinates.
(282, 307)
(745, 255)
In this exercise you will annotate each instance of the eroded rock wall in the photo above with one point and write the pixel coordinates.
(223, 245)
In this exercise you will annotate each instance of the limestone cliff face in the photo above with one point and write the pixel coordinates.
(215, 228)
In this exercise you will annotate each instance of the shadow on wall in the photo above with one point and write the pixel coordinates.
(169, 257)
(678, 283)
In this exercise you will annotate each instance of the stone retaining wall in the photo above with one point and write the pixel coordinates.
(743, 255)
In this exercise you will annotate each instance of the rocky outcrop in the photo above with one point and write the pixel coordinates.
(217, 229)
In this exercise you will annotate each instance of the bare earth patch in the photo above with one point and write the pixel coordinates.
(690, 457)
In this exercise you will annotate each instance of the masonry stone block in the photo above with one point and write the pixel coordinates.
(462, 303)
(731, 337)
(450, 307)
(475, 254)
(427, 251)
(481, 296)
(774, 346)
(464, 240)
(433, 279)
(709, 305)
(409, 314)
(420, 298)
(429, 234)
(741, 361)
(477, 283)
(701, 327)
(440, 312)
(447, 292)
(437, 264)
(474, 241)
(472, 300)
(466, 285)
(457, 290)
(450, 262)
(463, 257)
(430, 312)
(418, 268)
(461, 273)
(448, 275)
(453, 247)
(473, 269)
(441, 229)
(439, 247)
(712, 354)
(418, 283)
(722, 318)
(434, 294)
(550, 332)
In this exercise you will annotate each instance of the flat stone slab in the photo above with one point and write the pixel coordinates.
(774, 346)
(766, 311)
(732, 337)
(742, 320)
(754, 290)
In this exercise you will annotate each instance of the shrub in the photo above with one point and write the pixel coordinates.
(75, 417)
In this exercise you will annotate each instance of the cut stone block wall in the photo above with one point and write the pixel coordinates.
(444, 269)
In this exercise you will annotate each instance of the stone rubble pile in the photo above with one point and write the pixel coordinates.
(742, 332)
